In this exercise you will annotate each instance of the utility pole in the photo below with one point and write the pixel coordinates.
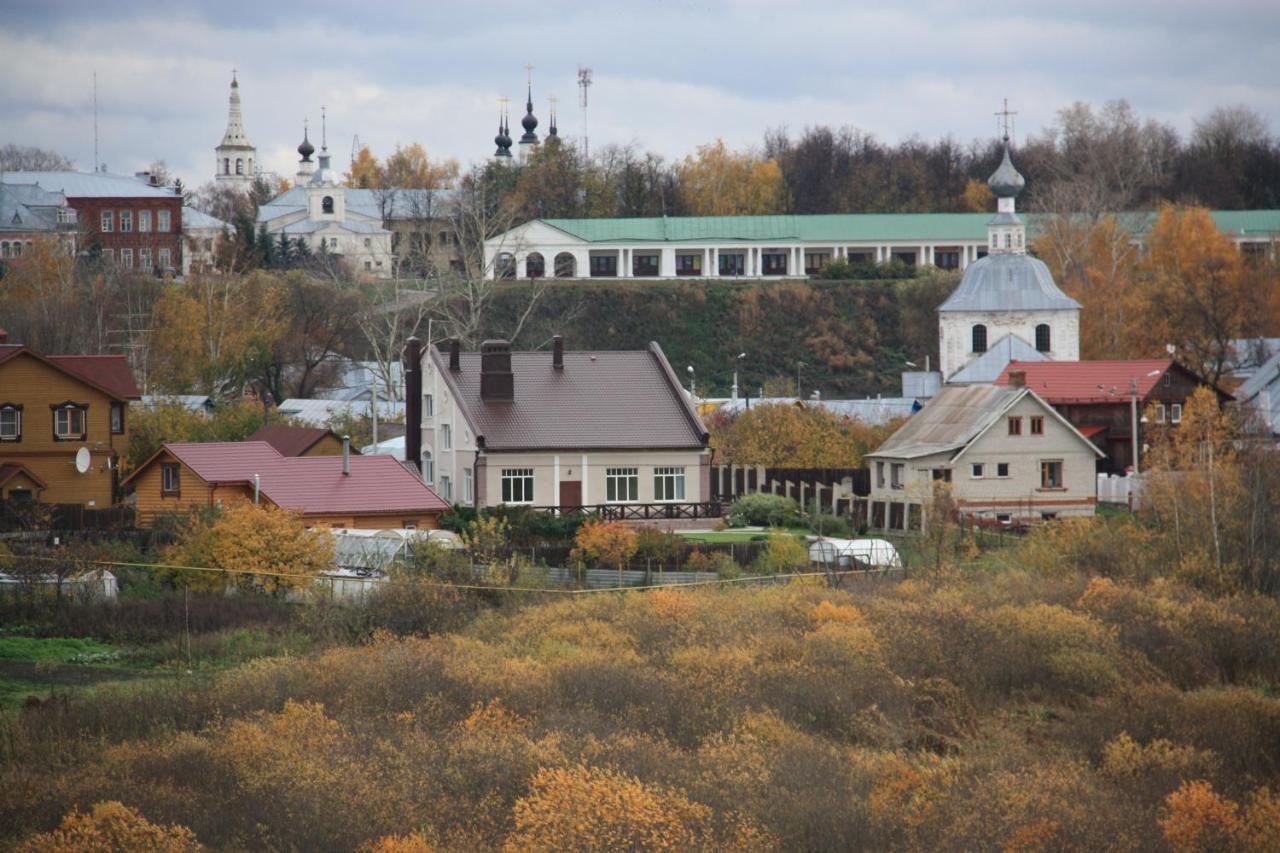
(736, 362)
(1133, 421)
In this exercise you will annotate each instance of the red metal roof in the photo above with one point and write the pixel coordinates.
(290, 440)
(1061, 382)
(313, 485)
(1090, 430)
(110, 373)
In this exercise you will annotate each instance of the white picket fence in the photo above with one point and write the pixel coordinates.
(1115, 489)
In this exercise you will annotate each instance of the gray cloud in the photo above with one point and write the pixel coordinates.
(669, 75)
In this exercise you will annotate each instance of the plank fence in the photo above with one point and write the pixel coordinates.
(833, 489)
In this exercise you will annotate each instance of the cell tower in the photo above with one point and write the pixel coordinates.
(355, 148)
(584, 83)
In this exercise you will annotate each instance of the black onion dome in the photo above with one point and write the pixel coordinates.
(529, 122)
(1005, 181)
(306, 149)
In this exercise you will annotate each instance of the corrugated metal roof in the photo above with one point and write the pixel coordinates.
(193, 219)
(1090, 381)
(618, 399)
(290, 440)
(950, 421)
(323, 412)
(851, 227)
(90, 184)
(1008, 282)
(312, 484)
(991, 364)
(1262, 377)
(109, 373)
(193, 402)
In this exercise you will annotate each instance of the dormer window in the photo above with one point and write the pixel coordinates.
(326, 205)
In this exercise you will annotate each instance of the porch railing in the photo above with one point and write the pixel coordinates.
(643, 512)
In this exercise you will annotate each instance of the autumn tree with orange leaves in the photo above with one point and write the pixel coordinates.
(785, 435)
(109, 827)
(719, 181)
(609, 543)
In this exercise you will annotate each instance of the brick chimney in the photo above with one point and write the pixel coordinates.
(1017, 379)
(496, 382)
(412, 402)
(557, 352)
(455, 355)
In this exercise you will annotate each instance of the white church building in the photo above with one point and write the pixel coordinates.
(1008, 299)
(236, 164)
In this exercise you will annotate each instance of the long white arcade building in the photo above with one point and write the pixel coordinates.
(774, 246)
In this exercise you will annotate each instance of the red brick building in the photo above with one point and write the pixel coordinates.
(130, 221)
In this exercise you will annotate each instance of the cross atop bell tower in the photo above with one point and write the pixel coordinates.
(1004, 120)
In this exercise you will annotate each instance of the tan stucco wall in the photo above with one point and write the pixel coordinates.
(570, 466)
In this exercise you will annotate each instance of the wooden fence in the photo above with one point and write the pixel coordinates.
(29, 515)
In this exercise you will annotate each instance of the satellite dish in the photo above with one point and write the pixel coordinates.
(82, 460)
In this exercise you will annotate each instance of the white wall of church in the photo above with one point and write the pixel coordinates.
(956, 333)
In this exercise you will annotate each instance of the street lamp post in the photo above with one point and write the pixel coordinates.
(693, 394)
(736, 362)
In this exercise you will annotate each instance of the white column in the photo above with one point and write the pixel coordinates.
(521, 261)
(624, 263)
(667, 262)
(713, 267)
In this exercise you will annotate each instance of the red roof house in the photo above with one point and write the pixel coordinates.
(331, 491)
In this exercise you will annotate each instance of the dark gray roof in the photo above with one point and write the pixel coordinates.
(619, 399)
(950, 420)
(1008, 282)
(1005, 181)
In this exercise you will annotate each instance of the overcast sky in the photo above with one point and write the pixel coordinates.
(668, 75)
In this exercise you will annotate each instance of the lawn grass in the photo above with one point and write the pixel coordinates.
(57, 649)
(721, 536)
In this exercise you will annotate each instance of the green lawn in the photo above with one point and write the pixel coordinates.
(56, 649)
(711, 536)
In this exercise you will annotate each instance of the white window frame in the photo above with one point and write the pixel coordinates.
(126, 222)
(164, 221)
(144, 221)
(63, 421)
(144, 259)
(621, 485)
(446, 488)
(467, 486)
(107, 221)
(170, 478)
(165, 259)
(977, 470)
(126, 258)
(428, 406)
(668, 484)
(1159, 413)
(517, 485)
(896, 472)
(428, 468)
(446, 436)
(1175, 413)
(11, 431)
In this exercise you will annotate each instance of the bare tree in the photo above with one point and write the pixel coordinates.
(28, 158)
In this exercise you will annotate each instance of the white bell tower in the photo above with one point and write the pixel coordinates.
(237, 160)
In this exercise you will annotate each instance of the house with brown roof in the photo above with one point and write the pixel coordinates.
(610, 430)
(374, 492)
(301, 441)
(1002, 451)
(1099, 397)
(51, 408)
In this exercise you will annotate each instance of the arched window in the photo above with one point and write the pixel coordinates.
(326, 204)
(566, 266)
(979, 338)
(1008, 240)
(250, 165)
(226, 165)
(239, 165)
(535, 266)
(505, 265)
(428, 468)
(1043, 340)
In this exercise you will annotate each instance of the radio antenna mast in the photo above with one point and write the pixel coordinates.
(95, 120)
(584, 83)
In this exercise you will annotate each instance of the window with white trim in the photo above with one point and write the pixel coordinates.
(69, 422)
(126, 258)
(126, 221)
(144, 221)
(108, 221)
(163, 221)
(668, 484)
(446, 488)
(621, 485)
(466, 485)
(428, 468)
(10, 422)
(1159, 413)
(517, 485)
(1175, 413)
(446, 436)
(164, 259)
(144, 259)
(170, 478)
(428, 406)
(976, 470)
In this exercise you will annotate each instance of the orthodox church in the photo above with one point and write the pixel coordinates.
(236, 158)
(529, 139)
(1007, 305)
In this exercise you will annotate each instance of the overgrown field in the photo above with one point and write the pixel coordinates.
(1007, 711)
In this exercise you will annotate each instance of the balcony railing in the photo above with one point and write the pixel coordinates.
(643, 512)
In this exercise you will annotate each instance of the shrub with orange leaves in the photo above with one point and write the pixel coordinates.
(607, 543)
(411, 843)
(1198, 819)
(110, 827)
(589, 808)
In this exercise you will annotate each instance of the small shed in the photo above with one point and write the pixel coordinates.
(855, 553)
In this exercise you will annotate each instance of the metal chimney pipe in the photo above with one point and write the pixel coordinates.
(557, 352)
(346, 456)
(257, 487)
(413, 401)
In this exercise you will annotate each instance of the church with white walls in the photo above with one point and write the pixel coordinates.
(236, 164)
(1007, 303)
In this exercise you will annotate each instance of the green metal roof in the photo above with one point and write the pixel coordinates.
(852, 227)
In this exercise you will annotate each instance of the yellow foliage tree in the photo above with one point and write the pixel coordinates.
(791, 436)
(246, 539)
(722, 182)
(408, 167)
(111, 827)
(586, 808)
(609, 543)
(366, 171)
(977, 196)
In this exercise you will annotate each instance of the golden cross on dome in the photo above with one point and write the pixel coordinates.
(529, 70)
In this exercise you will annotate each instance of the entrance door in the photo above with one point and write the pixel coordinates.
(570, 493)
